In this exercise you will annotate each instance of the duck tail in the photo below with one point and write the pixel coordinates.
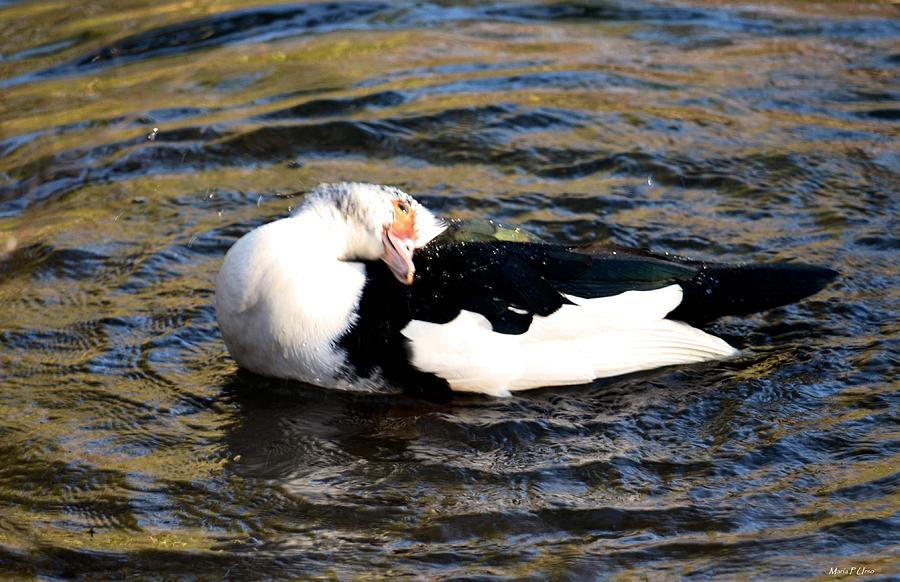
(718, 290)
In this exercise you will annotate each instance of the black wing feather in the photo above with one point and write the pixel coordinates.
(511, 282)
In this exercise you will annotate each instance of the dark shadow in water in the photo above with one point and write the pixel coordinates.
(284, 424)
(361, 463)
(263, 23)
(591, 11)
(66, 564)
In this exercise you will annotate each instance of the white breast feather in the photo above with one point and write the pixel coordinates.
(280, 309)
(594, 338)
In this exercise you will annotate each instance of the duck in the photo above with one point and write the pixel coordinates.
(363, 288)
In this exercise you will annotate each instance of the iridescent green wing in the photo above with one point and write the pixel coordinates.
(459, 230)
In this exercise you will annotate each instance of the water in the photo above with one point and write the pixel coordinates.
(139, 140)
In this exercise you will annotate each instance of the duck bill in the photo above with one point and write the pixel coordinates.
(398, 253)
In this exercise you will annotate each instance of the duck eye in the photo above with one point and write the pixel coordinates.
(404, 207)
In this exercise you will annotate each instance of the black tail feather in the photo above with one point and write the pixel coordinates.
(719, 290)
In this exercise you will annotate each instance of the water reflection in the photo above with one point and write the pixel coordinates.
(727, 131)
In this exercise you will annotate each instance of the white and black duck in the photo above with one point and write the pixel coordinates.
(363, 286)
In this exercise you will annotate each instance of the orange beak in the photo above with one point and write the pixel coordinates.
(400, 242)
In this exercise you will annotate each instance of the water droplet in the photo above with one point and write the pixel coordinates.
(649, 181)
(152, 135)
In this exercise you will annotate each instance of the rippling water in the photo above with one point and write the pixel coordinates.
(139, 139)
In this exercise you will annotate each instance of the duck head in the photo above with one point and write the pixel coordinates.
(379, 222)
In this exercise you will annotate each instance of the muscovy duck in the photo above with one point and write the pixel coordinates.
(363, 287)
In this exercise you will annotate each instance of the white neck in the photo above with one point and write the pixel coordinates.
(321, 232)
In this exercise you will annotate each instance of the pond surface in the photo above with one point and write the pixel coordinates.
(139, 139)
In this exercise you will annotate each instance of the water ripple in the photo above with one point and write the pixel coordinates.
(137, 145)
